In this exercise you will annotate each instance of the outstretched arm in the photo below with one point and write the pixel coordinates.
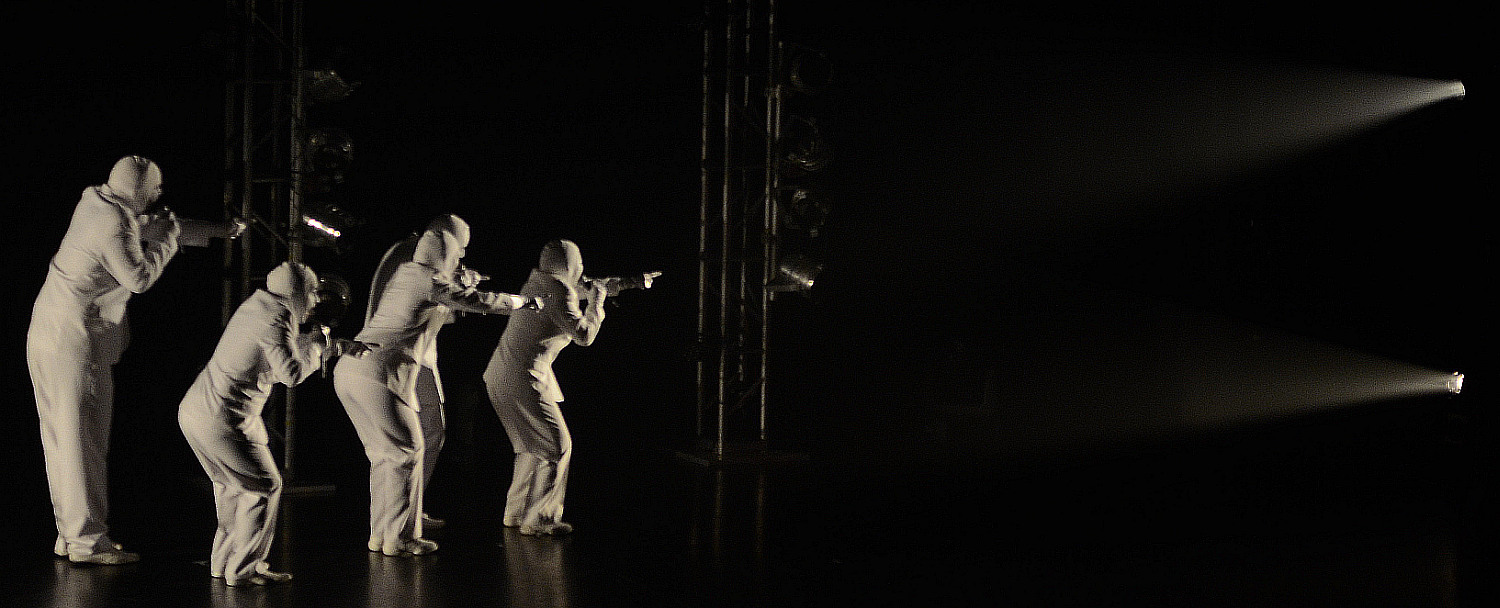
(468, 299)
(199, 233)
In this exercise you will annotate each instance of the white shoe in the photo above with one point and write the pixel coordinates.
(106, 558)
(272, 577)
(264, 577)
(60, 547)
(511, 521)
(415, 546)
(432, 523)
(554, 529)
(277, 577)
(373, 545)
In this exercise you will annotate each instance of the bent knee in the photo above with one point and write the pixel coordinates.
(398, 457)
(269, 484)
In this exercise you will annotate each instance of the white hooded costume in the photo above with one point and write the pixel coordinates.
(221, 417)
(78, 332)
(525, 392)
(393, 394)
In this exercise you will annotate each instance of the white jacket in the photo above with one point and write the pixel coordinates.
(522, 361)
(100, 263)
(259, 349)
(407, 313)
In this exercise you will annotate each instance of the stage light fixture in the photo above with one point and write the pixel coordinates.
(795, 272)
(329, 152)
(802, 209)
(329, 149)
(802, 144)
(334, 297)
(325, 86)
(1456, 383)
(809, 70)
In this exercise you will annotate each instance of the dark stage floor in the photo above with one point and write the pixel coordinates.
(1375, 506)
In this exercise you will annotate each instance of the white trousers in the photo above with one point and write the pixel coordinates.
(397, 439)
(434, 425)
(247, 494)
(75, 404)
(544, 450)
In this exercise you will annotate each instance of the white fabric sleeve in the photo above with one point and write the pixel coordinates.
(582, 326)
(455, 297)
(292, 357)
(135, 267)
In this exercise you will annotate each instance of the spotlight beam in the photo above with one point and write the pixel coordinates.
(1074, 378)
(1129, 133)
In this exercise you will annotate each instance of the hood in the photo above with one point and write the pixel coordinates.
(450, 224)
(442, 244)
(297, 284)
(134, 182)
(562, 259)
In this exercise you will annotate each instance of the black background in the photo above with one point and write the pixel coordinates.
(998, 170)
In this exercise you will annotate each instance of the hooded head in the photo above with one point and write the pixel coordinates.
(135, 182)
(443, 244)
(298, 284)
(561, 258)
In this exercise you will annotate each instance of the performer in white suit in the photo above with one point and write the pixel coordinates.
(221, 417)
(525, 392)
(78, 331)
(393, 395)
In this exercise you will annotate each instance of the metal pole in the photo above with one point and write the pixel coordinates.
(703, 221)
(294, 210)
(247, 131)
(725, 234)
(276, 158)
(768, 214)
(742, 265)
(226, 292)
(297, 135)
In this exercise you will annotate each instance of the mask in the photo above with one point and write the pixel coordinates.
(562, 258)
(297, 283)
(135, 181)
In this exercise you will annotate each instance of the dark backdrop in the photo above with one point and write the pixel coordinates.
(1018, 202)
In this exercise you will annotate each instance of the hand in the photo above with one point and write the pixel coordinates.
(598, 290)
(534, 302)
(234, 228)
(468, 278)
(161, 228)
(647, 278)
(353, 349)
(174, 228)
